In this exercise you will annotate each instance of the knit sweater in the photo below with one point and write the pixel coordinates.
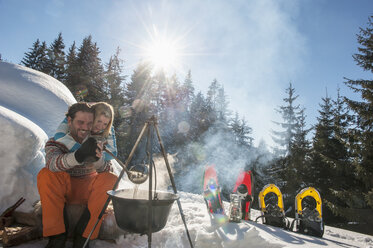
(59, 158)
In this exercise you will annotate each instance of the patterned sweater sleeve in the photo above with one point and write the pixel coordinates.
(58, 157)
(107, 166)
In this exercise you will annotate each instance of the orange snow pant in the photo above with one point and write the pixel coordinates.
(58, 188)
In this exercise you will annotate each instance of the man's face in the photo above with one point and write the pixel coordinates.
(81, 125)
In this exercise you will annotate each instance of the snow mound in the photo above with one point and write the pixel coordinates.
(34, 95)
(20, 157)
(32, 104)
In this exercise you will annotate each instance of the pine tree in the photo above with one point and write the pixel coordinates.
(221, 106)
(218, 107)
(212, 93)
(199, 118)
(30, 58)
(171, 113)
(285, 138)
(187, 91)
(37, 57)
(283, 168)
(160, 92)
(186, 98)
(361, 139)
(137, 105)
(91, 77)
(345, 186)
(241, 132)
(212, 100)
(296, 164)
(323, 148)
(43, 58)
(114, 81)
(73, 73)
(56, 59)
(300, 152)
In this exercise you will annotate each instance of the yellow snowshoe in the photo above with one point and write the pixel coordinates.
(272, 206)
(308, 212)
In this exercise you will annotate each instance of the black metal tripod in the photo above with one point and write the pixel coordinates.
(149, 125)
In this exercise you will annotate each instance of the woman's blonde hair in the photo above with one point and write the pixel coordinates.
(103, 108)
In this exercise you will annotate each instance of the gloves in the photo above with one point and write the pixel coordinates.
(87, 151)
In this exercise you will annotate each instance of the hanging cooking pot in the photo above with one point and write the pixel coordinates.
(131, 209)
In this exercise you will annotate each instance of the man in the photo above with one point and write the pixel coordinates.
(74, 177)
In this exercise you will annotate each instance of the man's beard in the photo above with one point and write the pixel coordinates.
(75, 134)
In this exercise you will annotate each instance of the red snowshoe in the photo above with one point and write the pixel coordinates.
(211, 191)
(243, 189)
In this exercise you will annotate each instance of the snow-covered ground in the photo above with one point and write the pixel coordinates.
(207, 232)
(31, 106)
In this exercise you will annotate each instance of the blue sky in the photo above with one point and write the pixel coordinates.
(253, 48)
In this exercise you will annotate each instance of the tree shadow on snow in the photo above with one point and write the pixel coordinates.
(341, 243)
(286, 236)
(289, 237)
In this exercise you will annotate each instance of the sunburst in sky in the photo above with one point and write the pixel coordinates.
(164, 54)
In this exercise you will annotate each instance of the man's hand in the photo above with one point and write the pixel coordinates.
(89, 151)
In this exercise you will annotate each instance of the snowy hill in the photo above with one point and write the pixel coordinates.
(32, 105)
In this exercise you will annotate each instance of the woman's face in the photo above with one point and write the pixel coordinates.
(100, 124)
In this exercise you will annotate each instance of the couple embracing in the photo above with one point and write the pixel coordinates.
(77, 171)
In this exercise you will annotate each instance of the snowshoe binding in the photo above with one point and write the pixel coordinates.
(272, 206)
(308, 215)
(235, 211)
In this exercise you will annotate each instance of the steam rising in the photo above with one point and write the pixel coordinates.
(216, 148)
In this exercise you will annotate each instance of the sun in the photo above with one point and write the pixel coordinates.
(164, 54)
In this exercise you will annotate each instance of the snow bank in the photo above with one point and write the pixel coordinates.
(34, 95)
(32, 104)
(20, 158)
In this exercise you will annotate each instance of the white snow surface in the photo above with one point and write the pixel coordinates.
(32, 104)
(34, 95)
(21, 157)
(209, 232)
